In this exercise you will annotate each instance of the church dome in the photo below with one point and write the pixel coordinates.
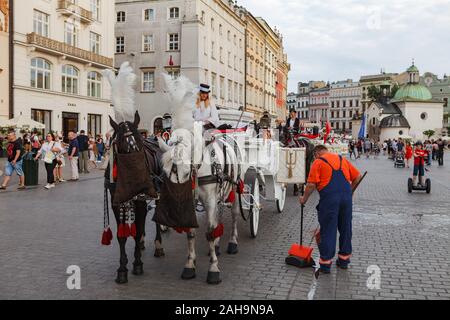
(413, 91)
(394, 121)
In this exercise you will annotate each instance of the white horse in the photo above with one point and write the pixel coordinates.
(216, 170)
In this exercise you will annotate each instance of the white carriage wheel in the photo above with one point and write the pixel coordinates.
(282, 200)
(254, 209)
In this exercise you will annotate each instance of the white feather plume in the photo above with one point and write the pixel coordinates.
(181, 93)
(122, 92)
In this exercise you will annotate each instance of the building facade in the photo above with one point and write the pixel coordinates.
(60, 49)
(344, 103)
(291, 101)
(383, 81)
(440, 90)
(4, 59)
(282, 77)
(318, 106)
(202, 40)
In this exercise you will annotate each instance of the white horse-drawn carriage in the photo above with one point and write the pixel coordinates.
(266, 170)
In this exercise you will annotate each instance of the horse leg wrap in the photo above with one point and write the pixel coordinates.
(216, 233)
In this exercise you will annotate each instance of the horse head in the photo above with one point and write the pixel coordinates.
(126, 135)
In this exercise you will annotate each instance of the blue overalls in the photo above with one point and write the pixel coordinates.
(335, 213)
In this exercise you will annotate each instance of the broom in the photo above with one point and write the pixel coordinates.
(300, 255)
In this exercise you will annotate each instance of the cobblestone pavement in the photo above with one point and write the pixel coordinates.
(406, 235)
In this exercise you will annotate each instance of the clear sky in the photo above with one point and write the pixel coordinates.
(339, 39)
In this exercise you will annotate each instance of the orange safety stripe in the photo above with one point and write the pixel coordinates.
(344, 257)
(321, 261)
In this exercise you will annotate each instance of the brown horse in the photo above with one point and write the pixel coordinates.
(131, 182)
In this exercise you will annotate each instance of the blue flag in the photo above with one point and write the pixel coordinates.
(362, 131)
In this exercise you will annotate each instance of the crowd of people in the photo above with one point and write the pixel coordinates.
(80, 151)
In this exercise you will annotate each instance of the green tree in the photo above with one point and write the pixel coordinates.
(429, 133)
(374, 93)
(394, 90)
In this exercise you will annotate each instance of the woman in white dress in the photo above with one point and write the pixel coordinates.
(50, 149)
(205, 110)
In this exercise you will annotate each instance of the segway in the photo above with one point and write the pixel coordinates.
(426, 187)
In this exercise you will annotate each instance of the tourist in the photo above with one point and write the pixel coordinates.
(35, 144)
(419, 162)
(50, 149)
(385, 147)
(440, 152)
(367, 148)
(14, 161)
(26, 142)
(92, 151)
(73, 155)
(60, 161)
(351, 149)
(429, 150)
(408, 153)
(83, 143)
(100, 148)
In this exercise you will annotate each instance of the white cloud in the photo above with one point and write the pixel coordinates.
(340, 39)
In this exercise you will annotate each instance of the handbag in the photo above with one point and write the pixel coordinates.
(50, 155)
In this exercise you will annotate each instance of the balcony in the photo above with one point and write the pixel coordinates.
(61, 49)
(69, 9)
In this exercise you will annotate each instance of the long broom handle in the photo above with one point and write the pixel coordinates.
(359, 182)
(301, 217)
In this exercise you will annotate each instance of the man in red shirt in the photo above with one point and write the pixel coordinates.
(334, 178)
(419, 163)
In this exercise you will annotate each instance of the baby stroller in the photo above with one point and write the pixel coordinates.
(399, 160)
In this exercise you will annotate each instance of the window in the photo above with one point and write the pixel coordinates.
(235, 40)
(445, 102)
(71, 34)
(229, 35)
(121, 16)
(221, 54)
(229, 60)
(212, 25)
(149, 15)
(174, 74)
(94, 39)
(174, 13)
(205, 46)
(94, 85)
(230, 90)
(69, 79)
(174, 44)
(212, 50)
(148, 81)
(40, 74)
(147, 43)
(220, 29)
(41, 23)
(95, 9)
(120, 44)
(236, 92)
(424, 116)
(222, 87)
(214, 84)
(44, 117)
(94, 125)
(203, 17)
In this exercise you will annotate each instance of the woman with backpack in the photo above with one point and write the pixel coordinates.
(50, 150)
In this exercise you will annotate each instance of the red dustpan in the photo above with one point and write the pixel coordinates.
(300, 255)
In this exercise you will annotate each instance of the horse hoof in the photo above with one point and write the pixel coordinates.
(159, 253)
(122, 277)
(142, 245)
(232, 248)
(188, 274)
(213, 278)
(138, 270)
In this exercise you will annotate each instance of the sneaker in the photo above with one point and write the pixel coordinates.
(48, 186)
(343, 264)
(2, 188)
(21, 188)
(62, 180)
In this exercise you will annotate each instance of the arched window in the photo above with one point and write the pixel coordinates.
(69, 79)
(94, 85)
(40, 74)
(174, 13)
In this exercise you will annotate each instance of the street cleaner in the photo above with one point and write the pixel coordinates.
(334, 178)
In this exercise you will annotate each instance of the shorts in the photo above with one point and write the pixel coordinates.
(419, 169)
(9, 168)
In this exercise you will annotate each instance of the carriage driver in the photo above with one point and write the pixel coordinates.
(205, 110)
(334, 178)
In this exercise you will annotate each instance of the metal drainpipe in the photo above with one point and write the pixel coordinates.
(11, 59)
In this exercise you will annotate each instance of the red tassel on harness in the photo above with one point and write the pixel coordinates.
(114, 171)
(124, 230)
(106, 237)
(231, 197)
(218, 231)
(181, 230)
(133, 230)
